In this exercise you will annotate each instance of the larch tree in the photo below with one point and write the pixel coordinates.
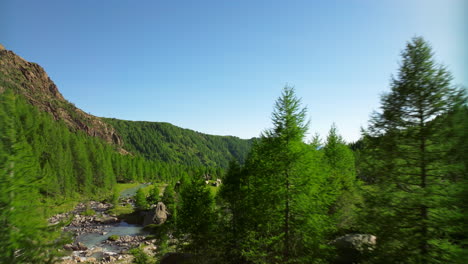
(24, 234)
(407, 146)
(287, 213)
(341, 181)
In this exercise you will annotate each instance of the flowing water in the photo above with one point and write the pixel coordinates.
(131, 191)
(121, 229)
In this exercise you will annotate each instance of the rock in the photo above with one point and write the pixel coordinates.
(80, 246)
(160, 214)
(351, 248)
(75, 247)
(93, 251)
(2, 47)
(105, 219)
(91, 260)
(68, 247)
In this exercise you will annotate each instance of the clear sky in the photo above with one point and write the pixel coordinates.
(218, 66)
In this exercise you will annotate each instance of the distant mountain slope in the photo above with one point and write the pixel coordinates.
(164, 141)
(155, 141)
(31, 81)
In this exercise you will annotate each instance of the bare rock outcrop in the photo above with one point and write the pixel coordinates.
(32, 81)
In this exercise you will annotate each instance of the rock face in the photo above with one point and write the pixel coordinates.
(351, 248)
(30, 80)
(160, 214)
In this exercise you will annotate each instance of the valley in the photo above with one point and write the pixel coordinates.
(77, 188)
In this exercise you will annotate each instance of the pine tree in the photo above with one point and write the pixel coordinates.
(153, 196)
(342, 182)
(287, 213)
(24, 235)
(196, 217)
(406, 147)
(140, 200)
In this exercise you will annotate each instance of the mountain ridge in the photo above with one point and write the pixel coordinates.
(189, 147)
(31, 81)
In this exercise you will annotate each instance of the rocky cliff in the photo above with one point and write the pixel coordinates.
(30, 80)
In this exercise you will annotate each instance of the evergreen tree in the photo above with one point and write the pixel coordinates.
(82, 166)
(140, 200)
(285, 203)
(233, 192)
(24, 235)
(153, 196)
(407, 146)
(196, 217)
(342, 182)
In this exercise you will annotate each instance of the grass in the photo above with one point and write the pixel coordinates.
(146, 189)
(214, 190)
(121, 210)
(159, 185)
(114, 237)
(52, 206)
(88, 212)
(120, 187)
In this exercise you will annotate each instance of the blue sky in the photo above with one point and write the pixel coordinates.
(218, 66)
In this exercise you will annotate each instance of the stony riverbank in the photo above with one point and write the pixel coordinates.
(104, 248)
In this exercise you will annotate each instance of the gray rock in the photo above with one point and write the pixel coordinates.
(160, 214)
(352, 248)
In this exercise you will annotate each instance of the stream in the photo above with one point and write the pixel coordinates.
(92, 232)
(127, 193)
(92, 240)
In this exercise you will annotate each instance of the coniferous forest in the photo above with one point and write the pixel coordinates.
(397, 195)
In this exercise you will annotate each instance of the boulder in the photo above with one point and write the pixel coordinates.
(68, 247)
(160, 214)
(80, 246)
(105, 219)
(352, 248)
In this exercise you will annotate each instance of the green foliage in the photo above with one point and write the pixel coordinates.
(168, 143)
(113, 238)
(153, 195)
(338, 161)
(169, 199)
(24, 234)
(139, 256)
(140, 200)
(278, 203)
(196, 216)
(408, 153)
(88, 212)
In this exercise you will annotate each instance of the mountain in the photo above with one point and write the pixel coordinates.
(169, 143)
(31, 81)
(152, 140)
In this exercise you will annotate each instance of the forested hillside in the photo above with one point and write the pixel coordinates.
(161, 142)
(166, 142)
(398, 195)
(32, 82)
